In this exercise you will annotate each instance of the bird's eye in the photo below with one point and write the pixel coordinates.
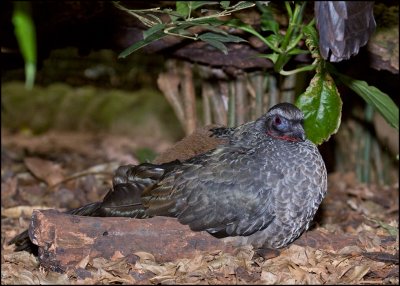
(277, 120)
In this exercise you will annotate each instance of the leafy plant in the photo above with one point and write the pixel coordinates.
(26, 36)
(321, 102)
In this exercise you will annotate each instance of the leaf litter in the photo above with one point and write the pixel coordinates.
(354, 239)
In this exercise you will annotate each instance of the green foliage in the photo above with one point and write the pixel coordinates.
(376, 98)
(59, 106)
(322, 107)
(26, 37)
(321, 102)
(182, 19)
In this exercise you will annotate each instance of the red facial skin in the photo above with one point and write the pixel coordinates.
(286, 138)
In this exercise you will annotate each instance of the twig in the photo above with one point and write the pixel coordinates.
(189, 98)
(168, 83)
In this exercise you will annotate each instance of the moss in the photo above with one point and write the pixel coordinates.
(87, 108)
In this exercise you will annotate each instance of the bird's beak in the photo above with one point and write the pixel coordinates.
(299, 133)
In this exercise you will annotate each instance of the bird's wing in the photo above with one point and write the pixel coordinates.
(124, 199)
(223, 190)
(344, 27)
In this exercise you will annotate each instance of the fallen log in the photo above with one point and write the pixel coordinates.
(65, 240)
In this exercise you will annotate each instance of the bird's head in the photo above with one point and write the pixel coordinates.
(285, 121)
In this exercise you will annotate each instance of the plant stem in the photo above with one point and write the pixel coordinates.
(294, 20)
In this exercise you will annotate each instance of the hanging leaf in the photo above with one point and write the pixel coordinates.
(220, 46)
(153, 30)
(155, 36)
(322, 108)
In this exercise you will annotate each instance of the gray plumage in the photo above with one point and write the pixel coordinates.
(263, 186)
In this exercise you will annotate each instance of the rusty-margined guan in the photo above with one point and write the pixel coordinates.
(263, 186)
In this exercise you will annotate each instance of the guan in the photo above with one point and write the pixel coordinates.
(262, 186)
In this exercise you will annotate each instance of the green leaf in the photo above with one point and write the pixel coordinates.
(322, 108)
(197, 4)
(270, 26)
(268, 22)
(274, 40)
(153, 30)
(182, 8)
(297, 51)
(378, 99)
(242, 5)
(273, 57)
(225, 4)
(208, 21)
(220, 37)
(236, 23)
(216, 30)
(220, 46)
(140, 44)
(312, 39)
(26, 36)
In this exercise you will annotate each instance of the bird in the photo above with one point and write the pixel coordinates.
(344, 27)
(261, 186)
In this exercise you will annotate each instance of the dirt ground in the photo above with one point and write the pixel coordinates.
(355, 236)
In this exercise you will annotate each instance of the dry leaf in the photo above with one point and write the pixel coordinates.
(45, 170)
(83, 262)
(145, 256)
(359, 272)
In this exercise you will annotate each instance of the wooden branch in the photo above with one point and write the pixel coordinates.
(65, 240)
(168, 83)
(189, 98)
(217, 103)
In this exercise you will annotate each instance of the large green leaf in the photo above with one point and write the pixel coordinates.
(322, 108)
(378, 99)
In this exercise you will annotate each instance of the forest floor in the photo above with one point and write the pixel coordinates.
(355, 236)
